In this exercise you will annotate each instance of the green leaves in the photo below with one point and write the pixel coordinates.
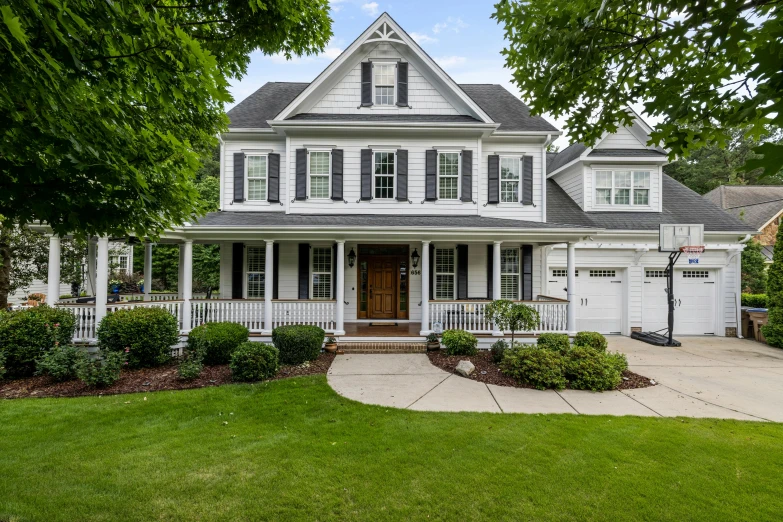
(13, 25)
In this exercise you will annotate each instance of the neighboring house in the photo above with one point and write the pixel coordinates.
(760, 206)
(385, 192)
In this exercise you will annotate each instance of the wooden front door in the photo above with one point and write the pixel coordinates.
(383, 287)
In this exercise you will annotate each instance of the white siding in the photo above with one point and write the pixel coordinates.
(36, 287)
(622, 139)
(226, 253)
(511, 210)
(261, 143)
(572, 181)
(477, 270)
(346, 98)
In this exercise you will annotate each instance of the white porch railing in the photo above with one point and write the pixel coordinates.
(318, 313)
(85, 314)
(140, 297)
(471, 315)
(249, 314)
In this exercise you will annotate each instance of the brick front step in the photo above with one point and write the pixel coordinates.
(382, 347)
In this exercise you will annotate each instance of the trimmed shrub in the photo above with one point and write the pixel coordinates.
(254, 362)
(773, 330)
(591, 340)
(498, 350)
(26, 334)
(540, 368)
(145, 334)
(298, 343)
(190, 366)
(755, 300)
(555, 342)
(215, 342)
(2, 365)
(460, 342)
(591, 369)
(101, 371)
(59, 363)
(618, 360)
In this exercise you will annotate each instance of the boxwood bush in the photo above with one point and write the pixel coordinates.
(215, 342)
(59, 363)
(535, 366)
(2, 365)
(100, 371)
(498, 350)
(591, 340)
(254, 362)
(590, 369)
(554, 341)
(145, 334)
(755, 300)
(26, 335)
(298, 343)
(460, 342)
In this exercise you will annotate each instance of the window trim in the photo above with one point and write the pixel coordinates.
(313, 272)
(518, 273)
(393, 176)
(393, 104)
(245, 288)
(329, 180)
(459, 174)
(118, 264)
(435, 274)
(520, 159)
(247, 179)
(630, 205)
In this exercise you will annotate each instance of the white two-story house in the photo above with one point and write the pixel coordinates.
(384, 193)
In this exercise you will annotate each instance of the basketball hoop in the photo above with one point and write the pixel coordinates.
(693, 253)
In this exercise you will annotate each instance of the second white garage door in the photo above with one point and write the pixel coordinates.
(694, 305)
(599, 301)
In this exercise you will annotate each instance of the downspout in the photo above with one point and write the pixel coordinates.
(543, 177)
(221, 162)
(738, 293)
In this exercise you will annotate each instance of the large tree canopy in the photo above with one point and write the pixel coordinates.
(702, 67)
(105, 107)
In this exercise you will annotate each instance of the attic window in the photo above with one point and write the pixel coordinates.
(622, 187)
(383, 76)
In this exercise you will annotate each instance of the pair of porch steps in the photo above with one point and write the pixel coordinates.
(349, 347)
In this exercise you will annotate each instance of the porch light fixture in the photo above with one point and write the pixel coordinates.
(351, 258)
(415, 258)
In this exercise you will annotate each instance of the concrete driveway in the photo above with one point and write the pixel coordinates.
(706, 377)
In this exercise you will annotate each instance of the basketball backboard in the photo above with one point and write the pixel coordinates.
(673, 237)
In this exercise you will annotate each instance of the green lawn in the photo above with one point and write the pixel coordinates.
(293, 449)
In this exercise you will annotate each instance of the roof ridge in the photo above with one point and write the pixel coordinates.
(754, 204)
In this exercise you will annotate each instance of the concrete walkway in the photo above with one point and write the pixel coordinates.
(706, 377)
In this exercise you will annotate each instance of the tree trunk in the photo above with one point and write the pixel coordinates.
(5, 265)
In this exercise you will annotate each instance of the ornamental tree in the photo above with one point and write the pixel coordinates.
(754, 268)
(702, 68)
(513, 317)
(773, 330)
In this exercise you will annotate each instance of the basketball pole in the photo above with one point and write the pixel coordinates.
(673, 257)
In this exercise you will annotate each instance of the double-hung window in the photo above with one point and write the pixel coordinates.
(256, 264)
(509, 179)
(622, 187)
(383, 76)
(445, 264)
(322, 272)
(256, 177)
(383, 175)
(319, 167)
(448, 175)
(509, 273)
(119, 263)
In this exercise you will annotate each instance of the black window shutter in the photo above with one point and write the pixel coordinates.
(334, 271)
(432, 271)
(337, 174)
(490, 268)
(462, 271)
(273, 193)
(366, 84)
(527, 180)
(493, 179)
(301, 174)
(276, 270)
(431, 175)
(366, 174)
(237, 265)
(527, 272)
(239, 177)
(402, 175)
(467, 175)
(304, 271)
(402, 84)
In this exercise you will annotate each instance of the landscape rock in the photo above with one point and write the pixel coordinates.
(465, 368)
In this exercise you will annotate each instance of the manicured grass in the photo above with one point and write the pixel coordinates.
(294, 450)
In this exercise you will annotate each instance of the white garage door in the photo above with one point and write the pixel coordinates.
(599, 298)
(694, 305)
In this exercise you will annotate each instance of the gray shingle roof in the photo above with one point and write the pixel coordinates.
(502, 106)
(279, 219)
(560, 208)
(627, 152)
(438, 118)
(754, 205)
(566, 156)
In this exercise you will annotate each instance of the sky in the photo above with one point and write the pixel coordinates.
(458, 34)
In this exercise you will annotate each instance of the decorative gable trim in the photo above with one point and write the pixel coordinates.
(385, 33)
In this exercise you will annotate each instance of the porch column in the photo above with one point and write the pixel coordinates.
(101, 279)
(269, 285)
(187, 282)
(339, 311)
(181, 272)
(571, 288)
(425, 288)
(147, 270)
(496, 280)
(90, 283)
(53, 281)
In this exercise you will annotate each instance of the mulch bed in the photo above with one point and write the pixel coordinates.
(147, 380)
(489, 373)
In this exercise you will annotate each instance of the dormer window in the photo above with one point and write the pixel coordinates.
(383, 78)
(622, 187)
